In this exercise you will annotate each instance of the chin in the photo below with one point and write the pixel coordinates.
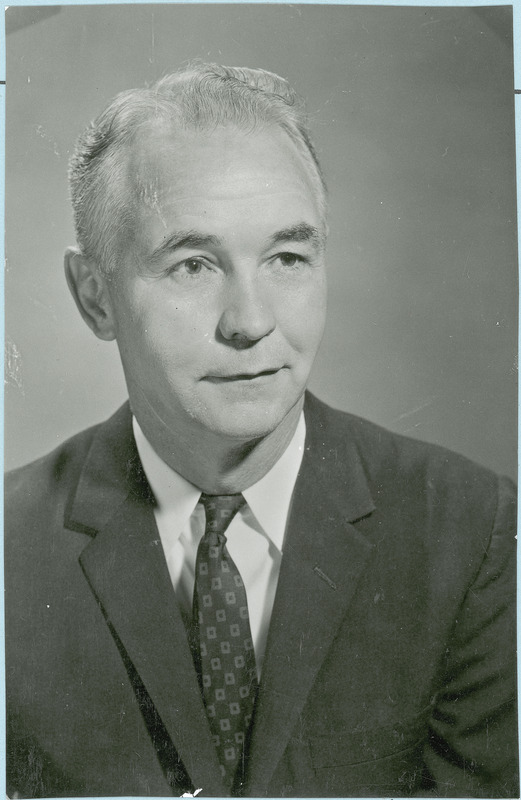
(247, 421)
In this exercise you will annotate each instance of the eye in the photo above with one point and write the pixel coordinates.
(192, 266)
(189, 268)
(290, 259)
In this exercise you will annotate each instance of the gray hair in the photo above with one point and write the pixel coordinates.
(201, 96)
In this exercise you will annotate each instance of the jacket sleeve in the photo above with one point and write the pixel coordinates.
(472, 749)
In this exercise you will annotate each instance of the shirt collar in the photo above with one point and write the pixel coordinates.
(268, 499)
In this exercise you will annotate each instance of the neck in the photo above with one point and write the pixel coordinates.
(214, 464)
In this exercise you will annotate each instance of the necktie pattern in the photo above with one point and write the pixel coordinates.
(222, 630)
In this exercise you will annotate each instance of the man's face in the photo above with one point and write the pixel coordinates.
(219, 299)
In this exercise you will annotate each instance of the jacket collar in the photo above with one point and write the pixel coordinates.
(111, 473)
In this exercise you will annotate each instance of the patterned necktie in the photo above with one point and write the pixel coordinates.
(222, 638)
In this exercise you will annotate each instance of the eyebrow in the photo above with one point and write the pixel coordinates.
(301, 232)
(185, 239)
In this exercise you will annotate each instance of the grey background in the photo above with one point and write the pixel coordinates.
(412, 112)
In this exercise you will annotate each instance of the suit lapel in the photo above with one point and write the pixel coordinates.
(324, 556)
(126, 570)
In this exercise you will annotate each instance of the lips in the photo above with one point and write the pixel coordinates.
(243, 376)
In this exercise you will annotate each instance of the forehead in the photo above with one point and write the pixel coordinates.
(191, 170)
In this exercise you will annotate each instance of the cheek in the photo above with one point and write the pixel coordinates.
(302, 317)
(181, 351)
(165, 327)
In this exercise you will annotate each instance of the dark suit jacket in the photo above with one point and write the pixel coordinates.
(390, 662)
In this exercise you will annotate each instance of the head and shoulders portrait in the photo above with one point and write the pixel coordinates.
(265, 541)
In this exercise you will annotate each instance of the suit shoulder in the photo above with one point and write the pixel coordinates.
(28, 489)
(394, 462)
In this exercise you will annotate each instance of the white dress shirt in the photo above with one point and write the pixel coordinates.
(255, 536)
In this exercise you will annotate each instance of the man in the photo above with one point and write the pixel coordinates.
(228, 587)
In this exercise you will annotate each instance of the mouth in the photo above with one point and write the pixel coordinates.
(243, 377)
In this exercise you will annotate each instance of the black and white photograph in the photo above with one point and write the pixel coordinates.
(260, 440)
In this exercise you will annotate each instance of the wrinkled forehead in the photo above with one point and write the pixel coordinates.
(164, 163)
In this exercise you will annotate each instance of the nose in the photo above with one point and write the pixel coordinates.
(247, 310)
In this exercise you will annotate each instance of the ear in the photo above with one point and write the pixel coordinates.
(89, 289)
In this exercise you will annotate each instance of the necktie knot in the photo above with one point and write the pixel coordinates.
(220, 509)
